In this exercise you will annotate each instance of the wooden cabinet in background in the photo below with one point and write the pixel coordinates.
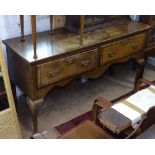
(150, 20)
(91, 22)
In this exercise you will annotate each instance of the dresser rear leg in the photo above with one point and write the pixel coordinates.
(34, 107)
(13, 87)
(140, 71)
(111, 70)
(134, 65)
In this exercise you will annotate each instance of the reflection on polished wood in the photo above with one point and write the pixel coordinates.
(34, 35)
(64, 41)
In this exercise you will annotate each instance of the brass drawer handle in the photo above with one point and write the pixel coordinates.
(124, 42)
(85, 63)
(69, 60)
(53, 73)
(135, 46)
(112, 53)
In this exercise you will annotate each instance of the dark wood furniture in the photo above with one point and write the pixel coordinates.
(61, 57)
(91, 22)
(150, 20)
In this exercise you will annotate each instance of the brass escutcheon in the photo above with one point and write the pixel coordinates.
(112, 53)
(135, 46)
(85, 62)
(124, 42)
(53, 73)
(69, 60)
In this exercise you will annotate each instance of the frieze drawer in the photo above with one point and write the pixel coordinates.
(60, 69)
(121, 49)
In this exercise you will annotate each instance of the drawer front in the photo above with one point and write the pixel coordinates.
(57, 70)
(123, 48)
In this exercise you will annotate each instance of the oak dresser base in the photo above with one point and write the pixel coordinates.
(61, 58)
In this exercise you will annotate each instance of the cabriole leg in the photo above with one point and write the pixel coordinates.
(34, 107)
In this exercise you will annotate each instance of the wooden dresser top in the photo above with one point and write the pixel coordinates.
(64, 42)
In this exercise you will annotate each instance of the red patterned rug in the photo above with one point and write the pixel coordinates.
(62, 128)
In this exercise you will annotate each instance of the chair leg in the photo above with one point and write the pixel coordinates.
(94, 113)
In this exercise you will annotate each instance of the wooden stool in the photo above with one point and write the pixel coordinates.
(85, 130)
